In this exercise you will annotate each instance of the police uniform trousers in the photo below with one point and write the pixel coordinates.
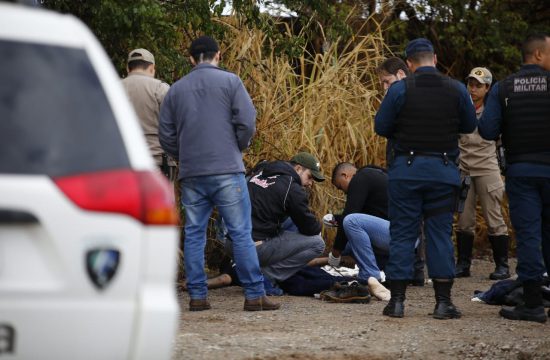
(410, 202)
(529, 200)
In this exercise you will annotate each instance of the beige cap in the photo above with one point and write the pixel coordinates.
(481, 74)
(141, 54)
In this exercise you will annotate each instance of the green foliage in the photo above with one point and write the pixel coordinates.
(467, 34)
(124, 25)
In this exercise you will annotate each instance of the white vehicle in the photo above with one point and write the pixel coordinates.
(88, 244)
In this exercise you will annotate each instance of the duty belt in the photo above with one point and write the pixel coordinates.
(412, 153)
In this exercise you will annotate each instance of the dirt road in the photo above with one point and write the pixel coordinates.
(306, 328)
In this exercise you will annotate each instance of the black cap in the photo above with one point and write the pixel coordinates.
(203, 44)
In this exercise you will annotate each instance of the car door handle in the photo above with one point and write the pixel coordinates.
(16, 217)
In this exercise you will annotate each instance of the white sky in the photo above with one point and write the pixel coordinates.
(273, 9)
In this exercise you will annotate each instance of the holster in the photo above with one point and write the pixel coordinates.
(463, 193)
(501, 158)
(164, 167)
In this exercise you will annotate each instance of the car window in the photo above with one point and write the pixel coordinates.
(54, 115)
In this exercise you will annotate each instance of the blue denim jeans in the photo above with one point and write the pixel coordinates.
(229, 194)
(366, 235)
(529, 199)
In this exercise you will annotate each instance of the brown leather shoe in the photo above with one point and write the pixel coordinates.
(260, 304)
(199, 305)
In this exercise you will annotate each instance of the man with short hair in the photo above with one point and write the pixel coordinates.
(518, 107)
(278, 197)
(424, 113)
(210, 103)
(478, 160)
(363, 226)
(146, 94)
(391, 70)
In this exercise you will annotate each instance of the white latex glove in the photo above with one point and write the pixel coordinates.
(333, 261)
(329, 220)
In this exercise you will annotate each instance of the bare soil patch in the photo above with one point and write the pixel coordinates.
(307, 328)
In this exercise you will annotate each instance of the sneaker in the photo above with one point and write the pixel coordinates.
(271, 289)
(352, 293)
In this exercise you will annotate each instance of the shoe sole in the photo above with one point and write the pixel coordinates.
(540, 319)
(491, 277)
(462, 275)
(357, 300)
(260, 308)
(393, 315)
(447, 317)
(199, 308)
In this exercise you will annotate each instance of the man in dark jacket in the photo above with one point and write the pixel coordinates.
(278, 193)
(363, 228)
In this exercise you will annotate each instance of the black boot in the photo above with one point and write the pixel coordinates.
(532, 309)
(418, 276)
(396, 306)
(444, 308)
(464, 246)
(500, 255)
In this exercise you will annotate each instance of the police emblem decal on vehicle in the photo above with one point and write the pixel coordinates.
(102, 265)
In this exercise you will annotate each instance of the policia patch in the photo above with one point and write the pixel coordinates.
(530, 84)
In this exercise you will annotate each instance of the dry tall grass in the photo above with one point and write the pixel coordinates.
(325, 107)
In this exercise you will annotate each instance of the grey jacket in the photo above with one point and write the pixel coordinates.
(206, 120)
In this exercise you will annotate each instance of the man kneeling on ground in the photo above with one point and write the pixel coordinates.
(278, 194)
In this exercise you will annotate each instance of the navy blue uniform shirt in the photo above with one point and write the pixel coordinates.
(426, 168)
(490, 127)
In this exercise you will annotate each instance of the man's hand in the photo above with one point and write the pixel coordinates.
(330, 221)
(334, 261)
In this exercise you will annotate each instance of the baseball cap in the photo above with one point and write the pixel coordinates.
(141, 54)
(418, 45)
(481, 74)
(310, 162)
(203, 44)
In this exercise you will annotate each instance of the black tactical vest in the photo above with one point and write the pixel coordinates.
(525, 104)
(429, 119)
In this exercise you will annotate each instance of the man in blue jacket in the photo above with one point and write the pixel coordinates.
(207, 119)
(423, 114)
(519, 108)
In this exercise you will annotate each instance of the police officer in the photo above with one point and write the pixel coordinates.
(478, 159)
(146, 95)
(519, 108)
(424, 114)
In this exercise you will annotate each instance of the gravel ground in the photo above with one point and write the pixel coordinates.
(306, 328)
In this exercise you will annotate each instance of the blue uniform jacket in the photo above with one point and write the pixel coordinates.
(424, 168)
(490, 128)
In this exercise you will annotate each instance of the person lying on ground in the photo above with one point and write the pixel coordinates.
(308, 281)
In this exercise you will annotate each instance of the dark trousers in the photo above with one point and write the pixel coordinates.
(529, 200)
(411, 201)
(310, 280)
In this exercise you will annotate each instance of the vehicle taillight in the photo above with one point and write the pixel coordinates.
(144, 195)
